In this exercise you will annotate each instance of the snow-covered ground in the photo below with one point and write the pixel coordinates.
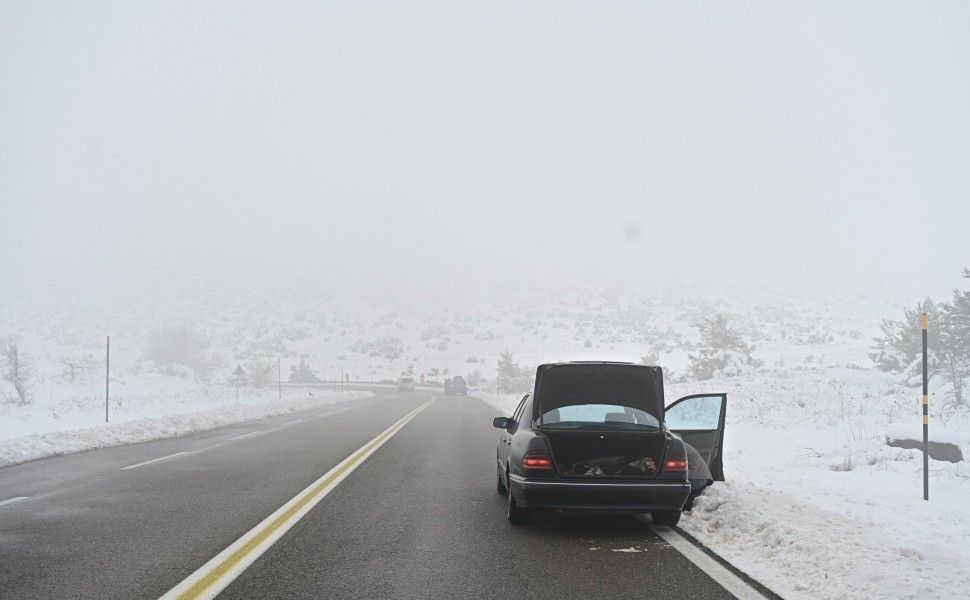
(79, 425)
(816, 504)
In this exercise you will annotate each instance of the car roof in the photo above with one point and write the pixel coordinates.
(590, 362)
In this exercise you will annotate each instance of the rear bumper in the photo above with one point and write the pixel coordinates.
(598, 496)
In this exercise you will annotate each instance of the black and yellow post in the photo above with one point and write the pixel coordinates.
(924, 324)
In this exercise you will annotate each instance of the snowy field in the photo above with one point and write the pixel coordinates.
(816, 505)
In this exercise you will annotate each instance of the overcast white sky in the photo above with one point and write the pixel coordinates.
(404, 139)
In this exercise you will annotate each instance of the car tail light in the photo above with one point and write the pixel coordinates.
(537, 462)
(676, 463)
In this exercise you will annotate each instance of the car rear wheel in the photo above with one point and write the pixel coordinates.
(516, 515)
(665, 517)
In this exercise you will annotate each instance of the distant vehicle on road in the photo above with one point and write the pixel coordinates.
(456, 386)
(596, 436)
(405, 384)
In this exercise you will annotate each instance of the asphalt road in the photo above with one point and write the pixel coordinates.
(420, 518)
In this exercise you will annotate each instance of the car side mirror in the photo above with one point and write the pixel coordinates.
(501, 422)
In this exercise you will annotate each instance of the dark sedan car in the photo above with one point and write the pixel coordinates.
(598, 437)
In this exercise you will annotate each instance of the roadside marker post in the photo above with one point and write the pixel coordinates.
(924, 323)
(238, 378)
(107, 376)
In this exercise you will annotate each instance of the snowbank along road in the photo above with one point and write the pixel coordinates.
(393, 498)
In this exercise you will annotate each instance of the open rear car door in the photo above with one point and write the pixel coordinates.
(699, 421)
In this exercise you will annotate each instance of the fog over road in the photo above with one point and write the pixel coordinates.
(419, 518)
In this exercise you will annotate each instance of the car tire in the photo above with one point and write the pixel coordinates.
(500, 481)
(668, 518)
(516, 515)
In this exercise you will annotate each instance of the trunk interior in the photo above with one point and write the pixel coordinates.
(606, 454)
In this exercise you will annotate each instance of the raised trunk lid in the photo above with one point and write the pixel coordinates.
(569, 384)
(601, 419)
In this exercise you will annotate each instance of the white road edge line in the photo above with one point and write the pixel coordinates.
(245, 435)
(293, 422)
(12, 500)
(728, 580)
(154, 460)
(211, 578)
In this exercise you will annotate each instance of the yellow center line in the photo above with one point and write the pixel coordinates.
(209, 579)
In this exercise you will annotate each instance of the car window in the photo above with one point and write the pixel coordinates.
(612, 416)
(701, 412)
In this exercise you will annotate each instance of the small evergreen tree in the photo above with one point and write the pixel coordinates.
(303, 373)
(954, 340)
(899, 349)
(175, 348)
(507, 371)
(721, 351)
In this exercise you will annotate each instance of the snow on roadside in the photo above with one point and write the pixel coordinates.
(799, 550)
(828, 510)
(55, 443)
(504, 404)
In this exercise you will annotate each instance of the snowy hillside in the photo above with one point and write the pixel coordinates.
(808, 414)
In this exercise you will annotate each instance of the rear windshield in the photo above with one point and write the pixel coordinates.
(598, 416)
(614, 395)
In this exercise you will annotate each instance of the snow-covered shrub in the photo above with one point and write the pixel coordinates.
(16, 372)
(474, 379)
(267, 345)
(173, 348)
(721, 351)
(389, 347)
(652, 357)
(78, 367)
(303, 373)
(433, 332)
(261, 373)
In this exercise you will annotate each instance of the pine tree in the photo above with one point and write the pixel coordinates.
(507, 372)
(721, 351)
(900, 347)
(303, 373)
(954, 340)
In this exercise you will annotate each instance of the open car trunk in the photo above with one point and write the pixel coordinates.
(606, 453)
(601, 419)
